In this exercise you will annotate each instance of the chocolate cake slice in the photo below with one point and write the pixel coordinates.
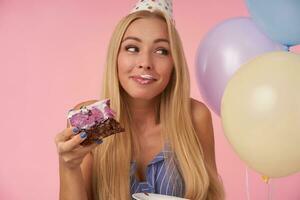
(97, 120)
(101, 130)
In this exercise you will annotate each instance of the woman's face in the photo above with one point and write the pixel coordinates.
(144, 62)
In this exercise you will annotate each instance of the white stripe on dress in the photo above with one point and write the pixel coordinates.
(160, 171)
(137, 188)
(175, 184)
(170, 178)
(162, 181)
(134, 182)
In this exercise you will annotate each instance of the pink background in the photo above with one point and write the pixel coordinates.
(51, 57)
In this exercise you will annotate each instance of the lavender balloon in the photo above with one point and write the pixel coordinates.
(223, 51)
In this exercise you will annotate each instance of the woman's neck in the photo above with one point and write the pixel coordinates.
(143, 113)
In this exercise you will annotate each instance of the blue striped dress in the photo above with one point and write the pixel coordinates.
(162, 176)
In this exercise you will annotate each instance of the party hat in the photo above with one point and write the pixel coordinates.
(164, 6)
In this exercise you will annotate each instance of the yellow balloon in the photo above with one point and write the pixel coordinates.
(260, 113)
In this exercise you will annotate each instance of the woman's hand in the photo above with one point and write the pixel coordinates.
(71, 153)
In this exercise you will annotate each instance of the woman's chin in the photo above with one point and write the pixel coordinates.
(142, 96)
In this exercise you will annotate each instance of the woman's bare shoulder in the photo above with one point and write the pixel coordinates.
(202, 121)
(201, 117)
(199, 109)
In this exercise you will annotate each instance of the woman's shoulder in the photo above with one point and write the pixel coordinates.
(201, 116)
(202, 121)
(199, 110)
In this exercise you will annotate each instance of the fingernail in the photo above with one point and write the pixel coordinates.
(98, 141)
(83, 135)
(75, 130)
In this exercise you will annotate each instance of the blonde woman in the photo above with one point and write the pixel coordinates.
(168, 145)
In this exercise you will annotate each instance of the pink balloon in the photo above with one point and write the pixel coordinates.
(221, 53)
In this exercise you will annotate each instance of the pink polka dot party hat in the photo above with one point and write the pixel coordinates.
(164, 6)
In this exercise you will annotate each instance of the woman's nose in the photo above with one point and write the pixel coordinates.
(145, 61)
(146, 67)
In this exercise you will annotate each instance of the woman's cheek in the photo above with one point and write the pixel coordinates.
(125, 63)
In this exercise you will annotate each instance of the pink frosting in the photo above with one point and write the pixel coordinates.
(89, 115)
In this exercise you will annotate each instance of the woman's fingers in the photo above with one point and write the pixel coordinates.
(69, 145)
(66, 134)
(86, 149)
(71, 153)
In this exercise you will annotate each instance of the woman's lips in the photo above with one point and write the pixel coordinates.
(142, 81)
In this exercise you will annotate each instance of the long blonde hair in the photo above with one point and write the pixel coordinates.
(111, 166)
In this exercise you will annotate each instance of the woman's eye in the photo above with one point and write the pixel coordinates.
(163, 51)
(131, 49)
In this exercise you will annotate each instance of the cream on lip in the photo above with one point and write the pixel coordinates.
(145, 76)
(142, 81)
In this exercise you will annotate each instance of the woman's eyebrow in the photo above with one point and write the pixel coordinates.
(139, 40)
(161, 40)
(132, 38)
